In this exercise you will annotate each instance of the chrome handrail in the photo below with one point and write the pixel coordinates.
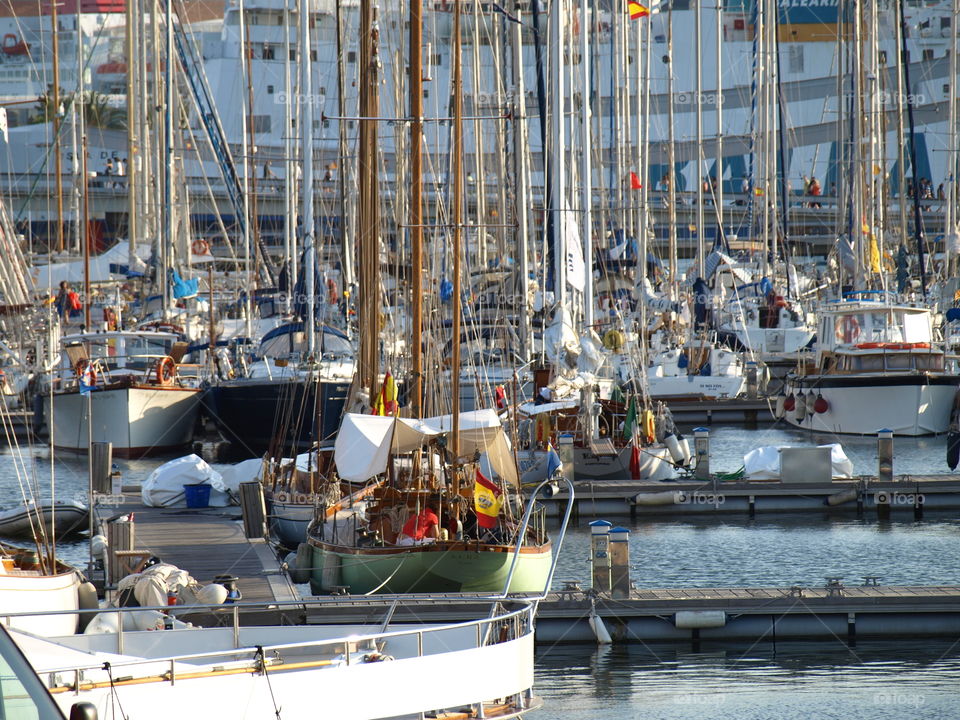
(522, 534)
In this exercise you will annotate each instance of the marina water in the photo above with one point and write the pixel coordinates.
(882, 681)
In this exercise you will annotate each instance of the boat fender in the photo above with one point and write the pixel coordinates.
(329, 572)
(953, 450)
(685, 449)
(664, 497)
(801, 409)
(86, 600)
(839, 498)
(600, 631)
(98, 546)
(298, 564)
(699, 619)
(789, 403)
(780, 409)
(820, 405)
(673, 445)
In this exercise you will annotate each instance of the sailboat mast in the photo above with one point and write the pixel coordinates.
(166, 241)
(558, 193)
(306, 129)
(132, 142)
(416, 204)
(698, 71)
(718, 109)
(346, 223)
(520, 178)
(671, 160)
(55, 101)
(369, 200)
(586, 167)
(917, 217)
(950, 221)
(457, 207)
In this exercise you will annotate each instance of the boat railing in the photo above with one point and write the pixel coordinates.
(502, 625)
(522, 532)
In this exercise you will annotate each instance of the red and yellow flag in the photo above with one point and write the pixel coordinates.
(487, 499)
(386, 402)
(637, 10)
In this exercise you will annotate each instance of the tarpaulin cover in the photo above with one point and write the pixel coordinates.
(365, 442)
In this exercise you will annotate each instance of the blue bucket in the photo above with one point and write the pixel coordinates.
(197, 495)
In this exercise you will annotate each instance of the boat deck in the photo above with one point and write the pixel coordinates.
(210, 542)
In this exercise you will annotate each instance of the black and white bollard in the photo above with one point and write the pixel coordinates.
(620, 563)
(600, 555)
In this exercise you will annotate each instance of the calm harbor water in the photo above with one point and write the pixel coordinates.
(883, 681)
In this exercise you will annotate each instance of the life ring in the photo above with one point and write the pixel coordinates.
(281, 497)
(848, 329)
(166, 370)
(200, 247)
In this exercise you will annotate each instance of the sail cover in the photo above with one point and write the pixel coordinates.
(365, 442)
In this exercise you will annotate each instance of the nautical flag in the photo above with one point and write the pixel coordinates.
(637, 10)
(501, 397)
(635, 181)
(88, 379)
(487, 499)
(631, 419)
(758, 192)
(635, 462)
(874, 255)
(386, 403)
(553, 460)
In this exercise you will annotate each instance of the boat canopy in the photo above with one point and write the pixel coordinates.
(365, 442)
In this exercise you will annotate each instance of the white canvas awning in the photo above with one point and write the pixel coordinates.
(364, 442)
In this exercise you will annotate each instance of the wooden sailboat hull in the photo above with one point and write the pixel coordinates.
(438, 567)
(138, 420)
(22, 592)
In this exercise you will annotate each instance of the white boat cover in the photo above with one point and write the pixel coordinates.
(365, 442)
(164, 487)
(763, 463)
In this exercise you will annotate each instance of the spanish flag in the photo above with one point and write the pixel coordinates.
(487, 499)
(637, 10)
(386, 403)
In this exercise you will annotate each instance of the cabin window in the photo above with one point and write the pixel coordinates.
(928, 54)
(352, 56)
(899, 361)
(260, 123)
(293, 56)
(313, 56)
(932, 362)
(796, 58)
(865, 363)
(269, 89)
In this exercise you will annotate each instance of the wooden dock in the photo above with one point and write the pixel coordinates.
(862, 495)
(207, 543)
(691, 615)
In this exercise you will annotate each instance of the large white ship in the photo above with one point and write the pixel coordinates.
(812, 74)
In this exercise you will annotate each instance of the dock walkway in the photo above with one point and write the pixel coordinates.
(210, 542)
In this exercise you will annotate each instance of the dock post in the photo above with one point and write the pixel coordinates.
(752, 384)
(885, 455)
(254, 509)
(701, 446)
(620, 563)
(100, 463)
(600, 555)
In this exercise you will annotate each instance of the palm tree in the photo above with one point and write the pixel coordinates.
(97, 110)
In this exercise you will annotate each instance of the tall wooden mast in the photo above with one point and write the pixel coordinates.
(368, 229)
(415, 209)
(457, 203)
